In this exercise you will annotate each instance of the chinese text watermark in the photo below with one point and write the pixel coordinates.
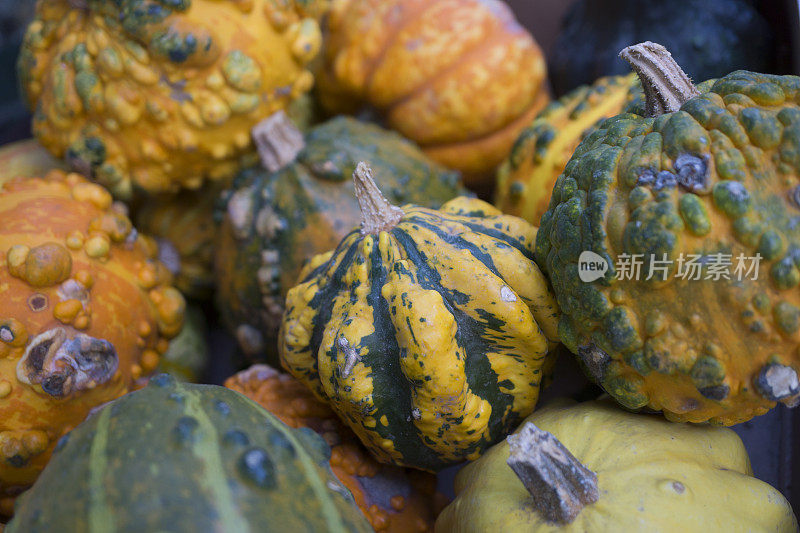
(691, 267)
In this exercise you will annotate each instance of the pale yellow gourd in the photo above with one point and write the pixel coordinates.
(652, 475)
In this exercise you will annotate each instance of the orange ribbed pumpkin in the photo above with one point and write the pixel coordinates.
(86, 310)
(461, 78)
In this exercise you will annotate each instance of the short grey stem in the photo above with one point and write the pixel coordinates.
(559, 484)
(666, 86)
(377, 214)
(278, 141)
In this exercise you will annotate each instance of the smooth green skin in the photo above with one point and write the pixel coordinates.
(755, 155)
(313, 206)
(178, 457)
(187, 355)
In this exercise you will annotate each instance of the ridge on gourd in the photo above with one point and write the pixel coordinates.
(186, 458)
(710, 180)
(273, 222)
(158, 95)
(573, 468)
(87, 311)
(394, 500)
(461, 78)
(425, 330)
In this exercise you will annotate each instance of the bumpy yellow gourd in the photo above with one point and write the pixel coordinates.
(425, 330)
(649, 475)
(163, 94)
(86, 309)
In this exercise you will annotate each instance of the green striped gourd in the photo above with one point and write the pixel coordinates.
(187, 458)
(427, 331)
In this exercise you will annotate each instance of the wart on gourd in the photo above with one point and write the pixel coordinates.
(65, 363)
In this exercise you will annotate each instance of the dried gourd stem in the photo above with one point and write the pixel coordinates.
(278, 141)
(559, 484)
(666, 86)
(377, 214)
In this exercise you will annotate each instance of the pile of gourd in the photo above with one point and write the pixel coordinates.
(415, 324)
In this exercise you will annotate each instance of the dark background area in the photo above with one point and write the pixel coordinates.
(773, 440)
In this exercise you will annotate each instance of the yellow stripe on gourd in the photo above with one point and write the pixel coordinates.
(101, 519)
(433, 351)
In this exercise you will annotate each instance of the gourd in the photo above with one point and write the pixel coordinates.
(709, 39)
(25, 158)
(426, 331)
(592, 467)
(188, 352)
(184, 226)
(461, 78)
(393, 499)
(184, 458)
(87, 309)
(710, 178)
(525, 179)
(157, 95)
(275, 221)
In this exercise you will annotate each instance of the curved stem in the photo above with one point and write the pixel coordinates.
(377, 214)
(666, 86)
(278, 141)
(559, 484)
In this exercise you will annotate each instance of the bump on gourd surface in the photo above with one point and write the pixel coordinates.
(718, 176)
(708, 39)
(393, 499)
(180, 457)
(652, 475)
(427, 339)
(525, 179)
(158, 95)
(87, 310)
(459, 77)
(275, 222)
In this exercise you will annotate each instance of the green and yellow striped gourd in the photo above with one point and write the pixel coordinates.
(425, 330)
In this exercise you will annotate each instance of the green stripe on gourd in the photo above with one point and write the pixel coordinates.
(425, 330)
(181, 457)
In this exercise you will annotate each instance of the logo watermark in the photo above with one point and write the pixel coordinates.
(691, 267)
(591, 266)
